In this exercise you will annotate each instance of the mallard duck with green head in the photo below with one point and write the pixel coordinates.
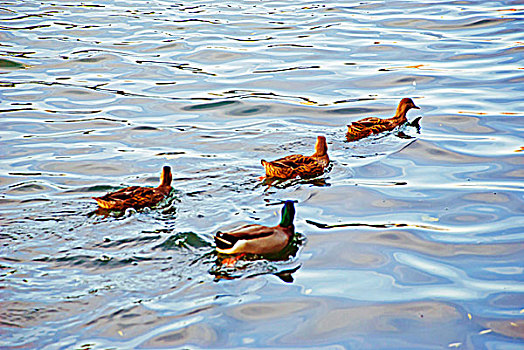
(258, 239)
(372, 125)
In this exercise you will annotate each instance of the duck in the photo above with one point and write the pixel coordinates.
(297, 165)
(368, 126)
(137, 197)
(258, 239)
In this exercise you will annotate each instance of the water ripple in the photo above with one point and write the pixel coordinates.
(411, 233)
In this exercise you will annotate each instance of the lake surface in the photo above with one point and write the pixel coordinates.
(413, 240)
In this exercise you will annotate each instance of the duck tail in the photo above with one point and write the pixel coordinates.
(224, 241)
(103, 203)
(416, 123)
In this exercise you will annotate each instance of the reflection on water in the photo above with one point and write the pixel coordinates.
(411, 233)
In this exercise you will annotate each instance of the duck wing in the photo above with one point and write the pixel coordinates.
(292, 166)
(226, 240)
(294, 161)
(130, 197)
(310, 169)
(121, 194)
(284, 167)
(368, 126)
(144, 197)
(367, 123)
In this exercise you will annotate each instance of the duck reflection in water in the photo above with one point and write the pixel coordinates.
(284, 183)
(285, 275)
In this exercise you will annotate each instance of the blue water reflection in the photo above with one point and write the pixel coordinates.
(413, 239)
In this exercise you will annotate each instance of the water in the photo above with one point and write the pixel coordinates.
(412, 240)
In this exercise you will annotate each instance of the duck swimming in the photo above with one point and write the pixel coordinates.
(137, 197)
(298, 165)
(368, 126)
(258, 239)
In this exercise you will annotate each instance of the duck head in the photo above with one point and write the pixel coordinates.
(166, 177)
(321, 146)
(288, 214)
(405, 105)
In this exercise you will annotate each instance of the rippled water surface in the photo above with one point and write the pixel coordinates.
(413, 240)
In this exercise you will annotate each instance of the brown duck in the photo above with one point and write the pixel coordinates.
(137, 197)
(368, 126)
(298, 165)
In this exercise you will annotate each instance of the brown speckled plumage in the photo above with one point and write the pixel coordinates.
(297, 165)
(137, 197)
(368, 126)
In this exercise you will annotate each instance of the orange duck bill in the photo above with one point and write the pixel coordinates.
(137, 197)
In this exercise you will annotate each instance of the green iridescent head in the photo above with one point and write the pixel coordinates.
(288, 214)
